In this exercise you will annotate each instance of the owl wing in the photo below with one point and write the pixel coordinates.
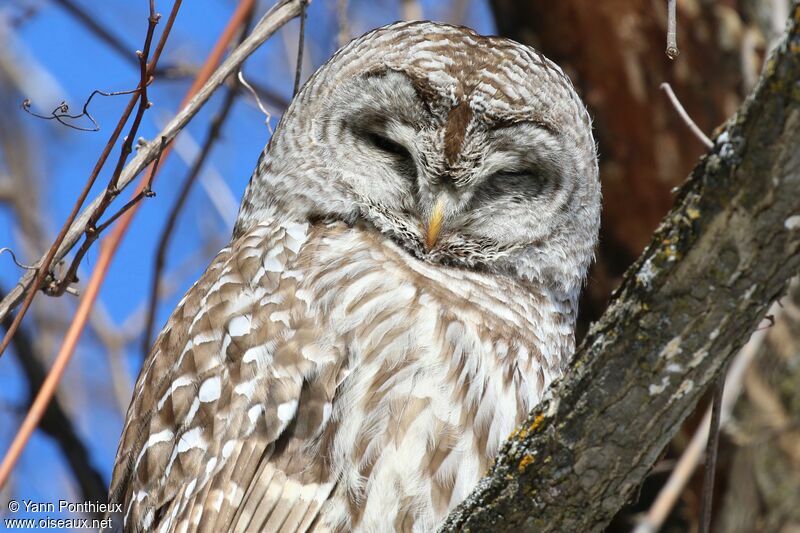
(232, 399)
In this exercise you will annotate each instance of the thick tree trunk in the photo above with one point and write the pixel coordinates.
(688, 304)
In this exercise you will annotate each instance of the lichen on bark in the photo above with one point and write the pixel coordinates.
(686, 306)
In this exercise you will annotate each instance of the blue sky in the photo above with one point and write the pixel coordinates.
(63, 61)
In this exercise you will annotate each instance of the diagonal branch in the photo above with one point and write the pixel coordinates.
(281, 13)
(56, 422)
(29, 284)
(86, 18)
(725, 251)
(166, 72)
(164, 240)
(175, 210)
(200, 91)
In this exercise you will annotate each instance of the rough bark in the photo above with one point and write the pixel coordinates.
(717, 260)
(763, 489)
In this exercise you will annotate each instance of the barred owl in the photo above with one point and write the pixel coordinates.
(400, 290)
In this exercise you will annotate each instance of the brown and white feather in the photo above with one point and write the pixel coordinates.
(340, 365)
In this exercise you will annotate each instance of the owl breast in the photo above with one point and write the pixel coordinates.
(441, 365)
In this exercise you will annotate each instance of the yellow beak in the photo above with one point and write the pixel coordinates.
(435, 224)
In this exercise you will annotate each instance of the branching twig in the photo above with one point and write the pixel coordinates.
(28, 285)
(111, 191)
(58, 287)
(113, 41)
(166, 233)
(284, 11)
(166, 72)
(199, 92)
(61, 112)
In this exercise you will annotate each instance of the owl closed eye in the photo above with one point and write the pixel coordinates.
(400, 290)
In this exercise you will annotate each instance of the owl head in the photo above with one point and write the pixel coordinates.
(468, 151)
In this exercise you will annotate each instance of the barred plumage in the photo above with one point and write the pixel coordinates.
(337, 367)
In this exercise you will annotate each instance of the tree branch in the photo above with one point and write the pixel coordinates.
(86, 18)
(165, 72)
(269, 24)
(763, 447)
(32, 281)
(183, 194)
(56, 422)
(719, 258)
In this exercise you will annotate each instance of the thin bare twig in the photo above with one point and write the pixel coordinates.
(688, 461)
(113, 41)
(166, 233)
(111, 190)
(246, 85)
(9, 251)
(45, 394)
(61, 112)
(276, 17)
(198, 93)
(672, 30)
(667, 88)
(144, 192)
(166, 72)
(28, 286)
(191, 177)
(301, 41)
(711, 456)
(270, 96)
(58, 287)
